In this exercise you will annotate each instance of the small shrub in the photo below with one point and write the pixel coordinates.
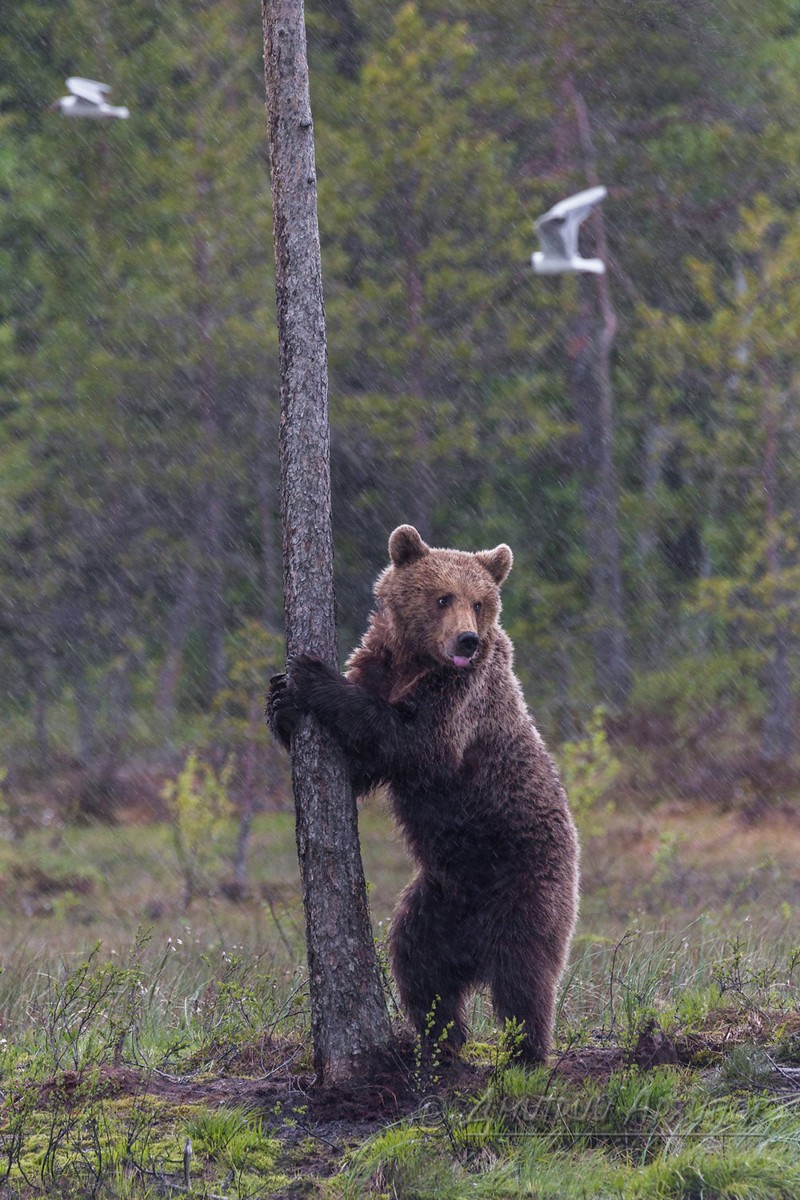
(201, 811)
(589, 769)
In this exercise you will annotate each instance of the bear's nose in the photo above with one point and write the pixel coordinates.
(467, 643)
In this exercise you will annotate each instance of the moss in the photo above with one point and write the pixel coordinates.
(97, 1137)
(246, 1184)
(102, 1137)
(482, 1054)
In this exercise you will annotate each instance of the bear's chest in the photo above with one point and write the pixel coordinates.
(445, 716)
(452, 827)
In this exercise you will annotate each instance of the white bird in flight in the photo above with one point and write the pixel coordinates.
(558, 234)
(87, 98)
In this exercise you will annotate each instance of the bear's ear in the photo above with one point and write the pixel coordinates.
(497, 562)
(406, 546)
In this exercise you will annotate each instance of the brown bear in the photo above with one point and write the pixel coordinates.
(430, 706)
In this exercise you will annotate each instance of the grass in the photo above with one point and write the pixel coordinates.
(131, 1026)
(636, 1134)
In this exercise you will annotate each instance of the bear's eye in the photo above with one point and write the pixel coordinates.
(444, 601)
(478, 605)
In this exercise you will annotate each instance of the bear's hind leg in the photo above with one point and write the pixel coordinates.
(525, 992)
(431, 965)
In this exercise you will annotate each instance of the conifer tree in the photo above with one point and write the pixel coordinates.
(427, 261)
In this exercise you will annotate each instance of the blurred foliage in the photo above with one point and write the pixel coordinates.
(589, 769)
(254, 654)
(138, 368)
(200, 810)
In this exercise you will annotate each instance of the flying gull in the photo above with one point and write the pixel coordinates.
(558, 234)
(87, 98)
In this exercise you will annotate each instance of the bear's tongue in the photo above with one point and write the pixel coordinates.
(460, 661)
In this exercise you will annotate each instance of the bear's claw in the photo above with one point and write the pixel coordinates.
(282, 709)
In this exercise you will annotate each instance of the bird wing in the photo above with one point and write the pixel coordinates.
(561, 222)
(550, 229)
(89, 90)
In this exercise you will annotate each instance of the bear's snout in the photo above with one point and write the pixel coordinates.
(466, 645)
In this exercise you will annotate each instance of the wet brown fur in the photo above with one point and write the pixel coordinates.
(476, 793)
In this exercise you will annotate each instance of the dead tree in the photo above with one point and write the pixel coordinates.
(589, 381)
(349, 1020)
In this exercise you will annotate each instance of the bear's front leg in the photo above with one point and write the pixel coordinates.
(282, 711)
(365, 727)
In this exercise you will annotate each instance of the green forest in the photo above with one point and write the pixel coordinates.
(634, 439)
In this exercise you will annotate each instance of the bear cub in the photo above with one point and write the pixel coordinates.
(430, 707)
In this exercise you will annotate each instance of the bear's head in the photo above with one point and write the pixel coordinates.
(441, 605)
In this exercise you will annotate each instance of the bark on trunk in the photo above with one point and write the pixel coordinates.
(349, 1020)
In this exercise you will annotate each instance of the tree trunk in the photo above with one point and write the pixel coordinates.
(589, 373)
(777, 734)
(349, 1020)
(42, 654)
(177, 634)
(656, 444)
(421, 490)
(86, 716)
(591, 402)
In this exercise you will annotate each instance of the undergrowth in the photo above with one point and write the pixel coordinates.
(86, 1054)
(85, 1046)
(136, 1146)
(142, 1064)
(721, 1121)
(151, 1008)
(661, 1134)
